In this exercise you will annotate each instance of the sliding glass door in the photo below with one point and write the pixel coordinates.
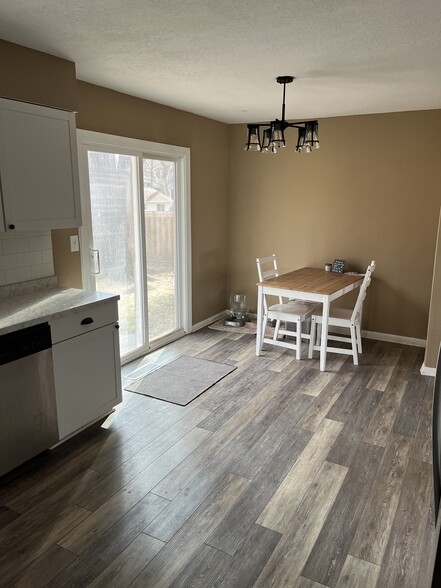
(135, 232)
(159, 178)
(115, 250)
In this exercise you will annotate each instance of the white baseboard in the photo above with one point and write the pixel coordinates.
(394, 338)
(367, 334)
(427, 371)
(208, 321)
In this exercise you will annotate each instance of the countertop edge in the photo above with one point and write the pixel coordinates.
(18, 323)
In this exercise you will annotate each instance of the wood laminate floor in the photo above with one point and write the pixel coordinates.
(280, 475)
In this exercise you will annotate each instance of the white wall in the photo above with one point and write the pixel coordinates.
(25, 256)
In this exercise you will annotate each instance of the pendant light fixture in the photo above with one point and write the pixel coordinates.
(274, 132)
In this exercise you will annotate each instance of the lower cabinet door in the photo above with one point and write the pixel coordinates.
(87, 378)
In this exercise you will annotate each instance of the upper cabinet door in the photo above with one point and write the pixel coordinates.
(38, 167)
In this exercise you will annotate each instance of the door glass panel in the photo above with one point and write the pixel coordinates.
(159, 212)
(113, 201)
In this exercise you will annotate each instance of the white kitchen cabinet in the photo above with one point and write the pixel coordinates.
(87, 368)
(38, 168)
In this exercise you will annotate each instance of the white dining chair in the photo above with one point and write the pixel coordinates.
(346, 318)
(292, 311)
(266, 269)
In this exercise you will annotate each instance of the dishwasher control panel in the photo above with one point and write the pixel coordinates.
(24, 342)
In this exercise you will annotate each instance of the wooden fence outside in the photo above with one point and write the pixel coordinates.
(160, 236)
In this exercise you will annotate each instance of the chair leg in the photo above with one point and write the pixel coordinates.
(319, 334)
(306, 329)
(264, 325)
(358, 329)
(276, 330)
(298, 339)
(312, 333)
(354, 344)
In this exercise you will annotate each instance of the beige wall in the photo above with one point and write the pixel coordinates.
(37, 77)
(372, 191)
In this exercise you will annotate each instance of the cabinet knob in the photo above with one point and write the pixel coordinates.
(117, 326)
(12, 227)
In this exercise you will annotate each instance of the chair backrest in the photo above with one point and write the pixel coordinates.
(356, 313)
(266, 269)
(270, 263)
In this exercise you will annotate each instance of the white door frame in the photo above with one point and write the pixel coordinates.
(88, 140)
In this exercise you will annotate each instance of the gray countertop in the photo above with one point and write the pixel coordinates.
(25, 310)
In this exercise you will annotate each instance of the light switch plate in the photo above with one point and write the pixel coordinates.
(74, 243)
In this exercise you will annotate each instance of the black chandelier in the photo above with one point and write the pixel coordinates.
(274, 132)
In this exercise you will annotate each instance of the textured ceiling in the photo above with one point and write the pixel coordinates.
(220, 58)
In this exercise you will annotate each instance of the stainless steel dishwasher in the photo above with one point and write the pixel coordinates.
(28, 414)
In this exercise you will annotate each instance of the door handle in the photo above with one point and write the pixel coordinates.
(95, 257)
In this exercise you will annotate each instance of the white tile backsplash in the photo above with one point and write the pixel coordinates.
(42, 270)
(29, 258)
(18, 245)
(25, 256)
(19, 274)
(46, 256)
(8, 261)
(40, 243)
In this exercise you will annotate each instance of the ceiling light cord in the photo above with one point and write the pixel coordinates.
(283, 103)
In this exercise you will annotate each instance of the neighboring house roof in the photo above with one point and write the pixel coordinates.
(153, 196)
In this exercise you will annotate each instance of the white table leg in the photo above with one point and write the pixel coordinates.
(324, 334)
(259, 334)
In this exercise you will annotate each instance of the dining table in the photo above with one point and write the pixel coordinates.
(311, 284)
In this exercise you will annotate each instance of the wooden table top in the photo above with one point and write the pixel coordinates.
(310, 279)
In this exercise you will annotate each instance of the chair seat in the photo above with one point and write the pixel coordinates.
(337, 316)
(291, 310)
